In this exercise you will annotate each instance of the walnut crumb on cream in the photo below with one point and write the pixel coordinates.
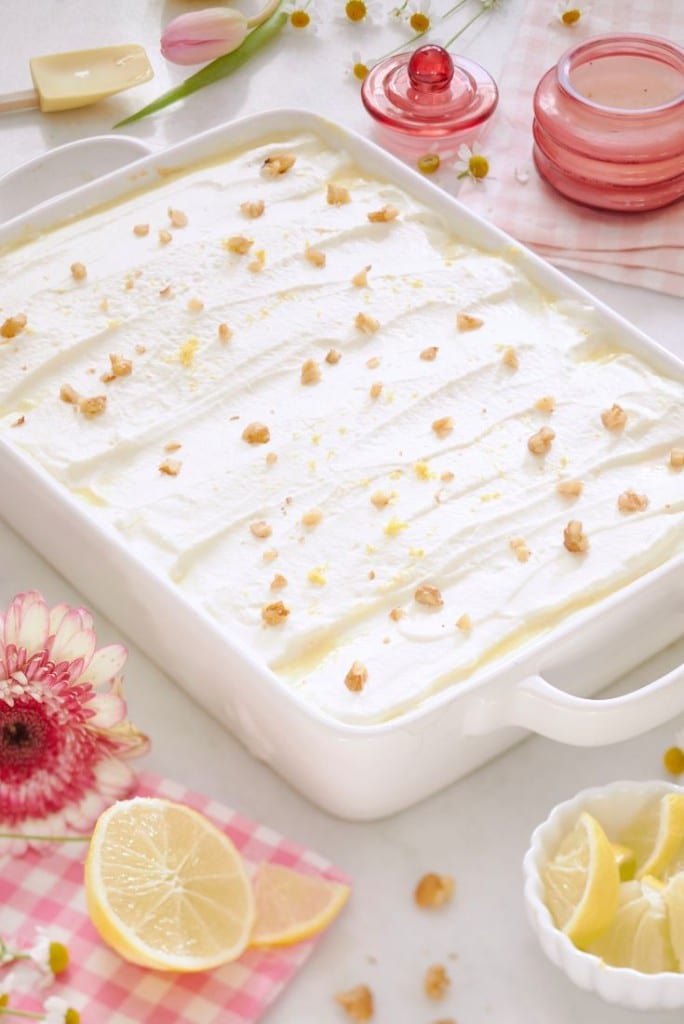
(164, 238)
(630, 501)
(337, 195)
(172, 446)
(366, 324)
(195, 305)
(520, 549)
(357, 677)
(316, 257)
(676, 459)
(78, 271)
(510, 358)
(570, 488)
(170, 467)
(277, 164)
(436, 982)
(278, 582)
(260, 529)
(375, 390)
(574, 538)
(19, 422)
(357, 1003)
(360, 279)
(271, 459)
(545, 404)
(13, 325)
(380, 499)
(93, 406)
(443, 426)
(253, 208)
(429, 596)
(429, 354)
(434, 891)
(239, 244)
(68, 394)
(310, 372)
(177, 217)
(140, 230)
(540, 443)
(614, 418)
(384, 215)
(224, 333)
(312, 517)
(269, 555)
(333, 357)
(466, 322)
(120, 367)
(373, 362)
(464, 623)
(275, 613)
(396, 614)
(256, 433)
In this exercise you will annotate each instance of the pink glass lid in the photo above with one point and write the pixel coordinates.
(429, 93)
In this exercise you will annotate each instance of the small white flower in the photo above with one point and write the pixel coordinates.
(361, 11)
(50, 955)
(418, 16)
(299, 16)
(358, 68)
(58, 1011)
(570, 14)
(471, 165)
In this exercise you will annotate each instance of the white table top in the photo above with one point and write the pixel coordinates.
(478, 829)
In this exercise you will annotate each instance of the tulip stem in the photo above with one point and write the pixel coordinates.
(263, 14)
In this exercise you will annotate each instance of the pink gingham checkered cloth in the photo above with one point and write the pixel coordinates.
(47, 889)
(644, 249)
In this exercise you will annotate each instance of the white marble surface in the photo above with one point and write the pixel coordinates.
(476, 830)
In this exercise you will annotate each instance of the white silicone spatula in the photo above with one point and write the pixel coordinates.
(64, 81)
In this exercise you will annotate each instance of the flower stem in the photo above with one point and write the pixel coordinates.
(456, 7)
(9, 1011)
(217, 69)
(46, 839)
(467, 25)
(402, 46)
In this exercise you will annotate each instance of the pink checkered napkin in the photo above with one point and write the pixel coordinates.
(645, 249)
(47, 889)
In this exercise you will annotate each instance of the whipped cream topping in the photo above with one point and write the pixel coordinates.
(401, 468)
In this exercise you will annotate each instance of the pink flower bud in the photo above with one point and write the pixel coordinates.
(203, 35)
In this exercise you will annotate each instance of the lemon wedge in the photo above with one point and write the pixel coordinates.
(673, 895)
(626, 861)
(582, 882)
(656, 835)
(165, 888)
(639, 935)
(291, 907)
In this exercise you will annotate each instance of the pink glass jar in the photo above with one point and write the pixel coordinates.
(428, 101)
(609, 123)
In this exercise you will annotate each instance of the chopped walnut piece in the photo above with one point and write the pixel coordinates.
(269, 555)
(316, 257)
(140, 350)
(337, 195)
(13, 325)
(356, 677)
(253, 208)
(310, 372)
(278, 163)
(177, 217)
(78, 271)
(614, 418)
(172, 446)
(540, 443)
(547, 404)
(278, 582)
(510, 358)
(375, 390)
(570, 488)
(357, 1002)
(574, 537)
(520, 548)
(69, 394)
(256, 265)
(443, 426)
(380, 499)
(429, 354)
(434, 891)
(170, 467)
(239, 244)
(312, 517)
(271, 459)
(166, 292)
(436, 982)
(141, 230)
(224, 333)
(274, 614)
(333, 357)
(373, 362)
(677, 458)
(93, 406)
(384, 215)
(120, 367)
(366, 324)
(260, 529)
(428, 595)
(630, 501)
(447, 476)
(466, 322)
(396, 614)
(256, 433)
(195, 305)
(360, 279)
(19, 422)
(164, 238)
(464, 623)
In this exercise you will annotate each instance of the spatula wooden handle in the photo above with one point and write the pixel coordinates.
(25, 99)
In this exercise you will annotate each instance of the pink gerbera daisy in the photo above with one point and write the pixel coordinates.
(64, 736)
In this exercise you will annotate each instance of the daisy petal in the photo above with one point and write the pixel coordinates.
(56, 616)
(71, 641)
(106, 664)
(26, 622)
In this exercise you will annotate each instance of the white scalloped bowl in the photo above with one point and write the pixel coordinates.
(613, 805)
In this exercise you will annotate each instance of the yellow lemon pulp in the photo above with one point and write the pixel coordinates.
(639, 935)
(291, 906)
(673, 896)
(582, 882)
(656, 835)
(626, 861)
(165, 888)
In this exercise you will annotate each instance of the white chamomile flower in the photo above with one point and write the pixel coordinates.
(418, 16)
(50, 956)
(471, 165)
(362, 10)
(358, 68)
(58, 1011)
(299, 16)
(570, 14)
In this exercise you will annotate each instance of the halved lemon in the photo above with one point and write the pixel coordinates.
(291, 906)
(626, 861)
(582, 882)
(639, 935)
(166, 888)
(656, 834)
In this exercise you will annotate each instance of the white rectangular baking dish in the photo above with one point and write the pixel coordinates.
(357, 772)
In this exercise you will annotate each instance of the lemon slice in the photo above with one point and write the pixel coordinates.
(291, 906)
(165, 888)
(673, 895)
(656, 835)
(639, 935)
(582, 882)
(625, 860)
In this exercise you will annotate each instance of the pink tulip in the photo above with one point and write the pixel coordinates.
(203, 35)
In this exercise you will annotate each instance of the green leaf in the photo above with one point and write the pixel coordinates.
(217, 69)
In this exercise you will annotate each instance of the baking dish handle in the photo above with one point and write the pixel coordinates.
(538, 706)
(65, 168)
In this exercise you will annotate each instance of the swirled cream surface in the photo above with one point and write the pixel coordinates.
(337, 427)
